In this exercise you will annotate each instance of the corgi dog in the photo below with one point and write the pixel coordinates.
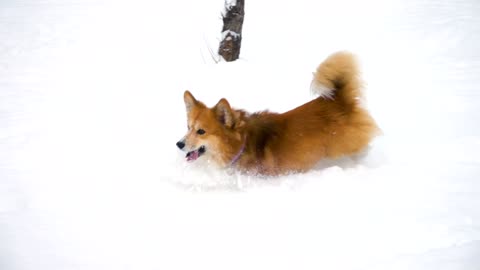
(330, 126)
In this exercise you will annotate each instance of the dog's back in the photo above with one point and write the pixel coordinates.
(330, 126)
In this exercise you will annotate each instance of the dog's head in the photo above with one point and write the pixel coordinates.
(211, 131)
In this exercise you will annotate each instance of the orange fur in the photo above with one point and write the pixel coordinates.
(330, 126)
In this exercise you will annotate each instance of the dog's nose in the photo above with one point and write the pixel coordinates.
(180, 144)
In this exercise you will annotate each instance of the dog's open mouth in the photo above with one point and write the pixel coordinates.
(193, 155)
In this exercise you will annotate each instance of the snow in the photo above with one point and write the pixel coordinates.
(91, 108)
(229, 34)
(230, 3)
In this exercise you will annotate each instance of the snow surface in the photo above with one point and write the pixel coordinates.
(91, 107)
(230, 33)
(230, 3)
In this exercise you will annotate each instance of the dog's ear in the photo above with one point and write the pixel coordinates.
(190, 100)
(224, 113)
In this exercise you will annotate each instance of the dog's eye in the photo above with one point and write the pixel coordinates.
(200, 132)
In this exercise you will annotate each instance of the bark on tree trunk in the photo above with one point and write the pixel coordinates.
(232, 30)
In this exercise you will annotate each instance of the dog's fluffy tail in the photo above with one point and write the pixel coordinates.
(337, 78)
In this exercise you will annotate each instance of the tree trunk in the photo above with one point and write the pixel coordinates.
(232, 30)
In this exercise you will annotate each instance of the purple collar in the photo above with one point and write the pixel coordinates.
(237, 156)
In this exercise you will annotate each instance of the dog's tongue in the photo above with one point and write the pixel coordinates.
(193, 155)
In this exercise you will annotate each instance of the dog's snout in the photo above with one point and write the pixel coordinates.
(180, 144)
